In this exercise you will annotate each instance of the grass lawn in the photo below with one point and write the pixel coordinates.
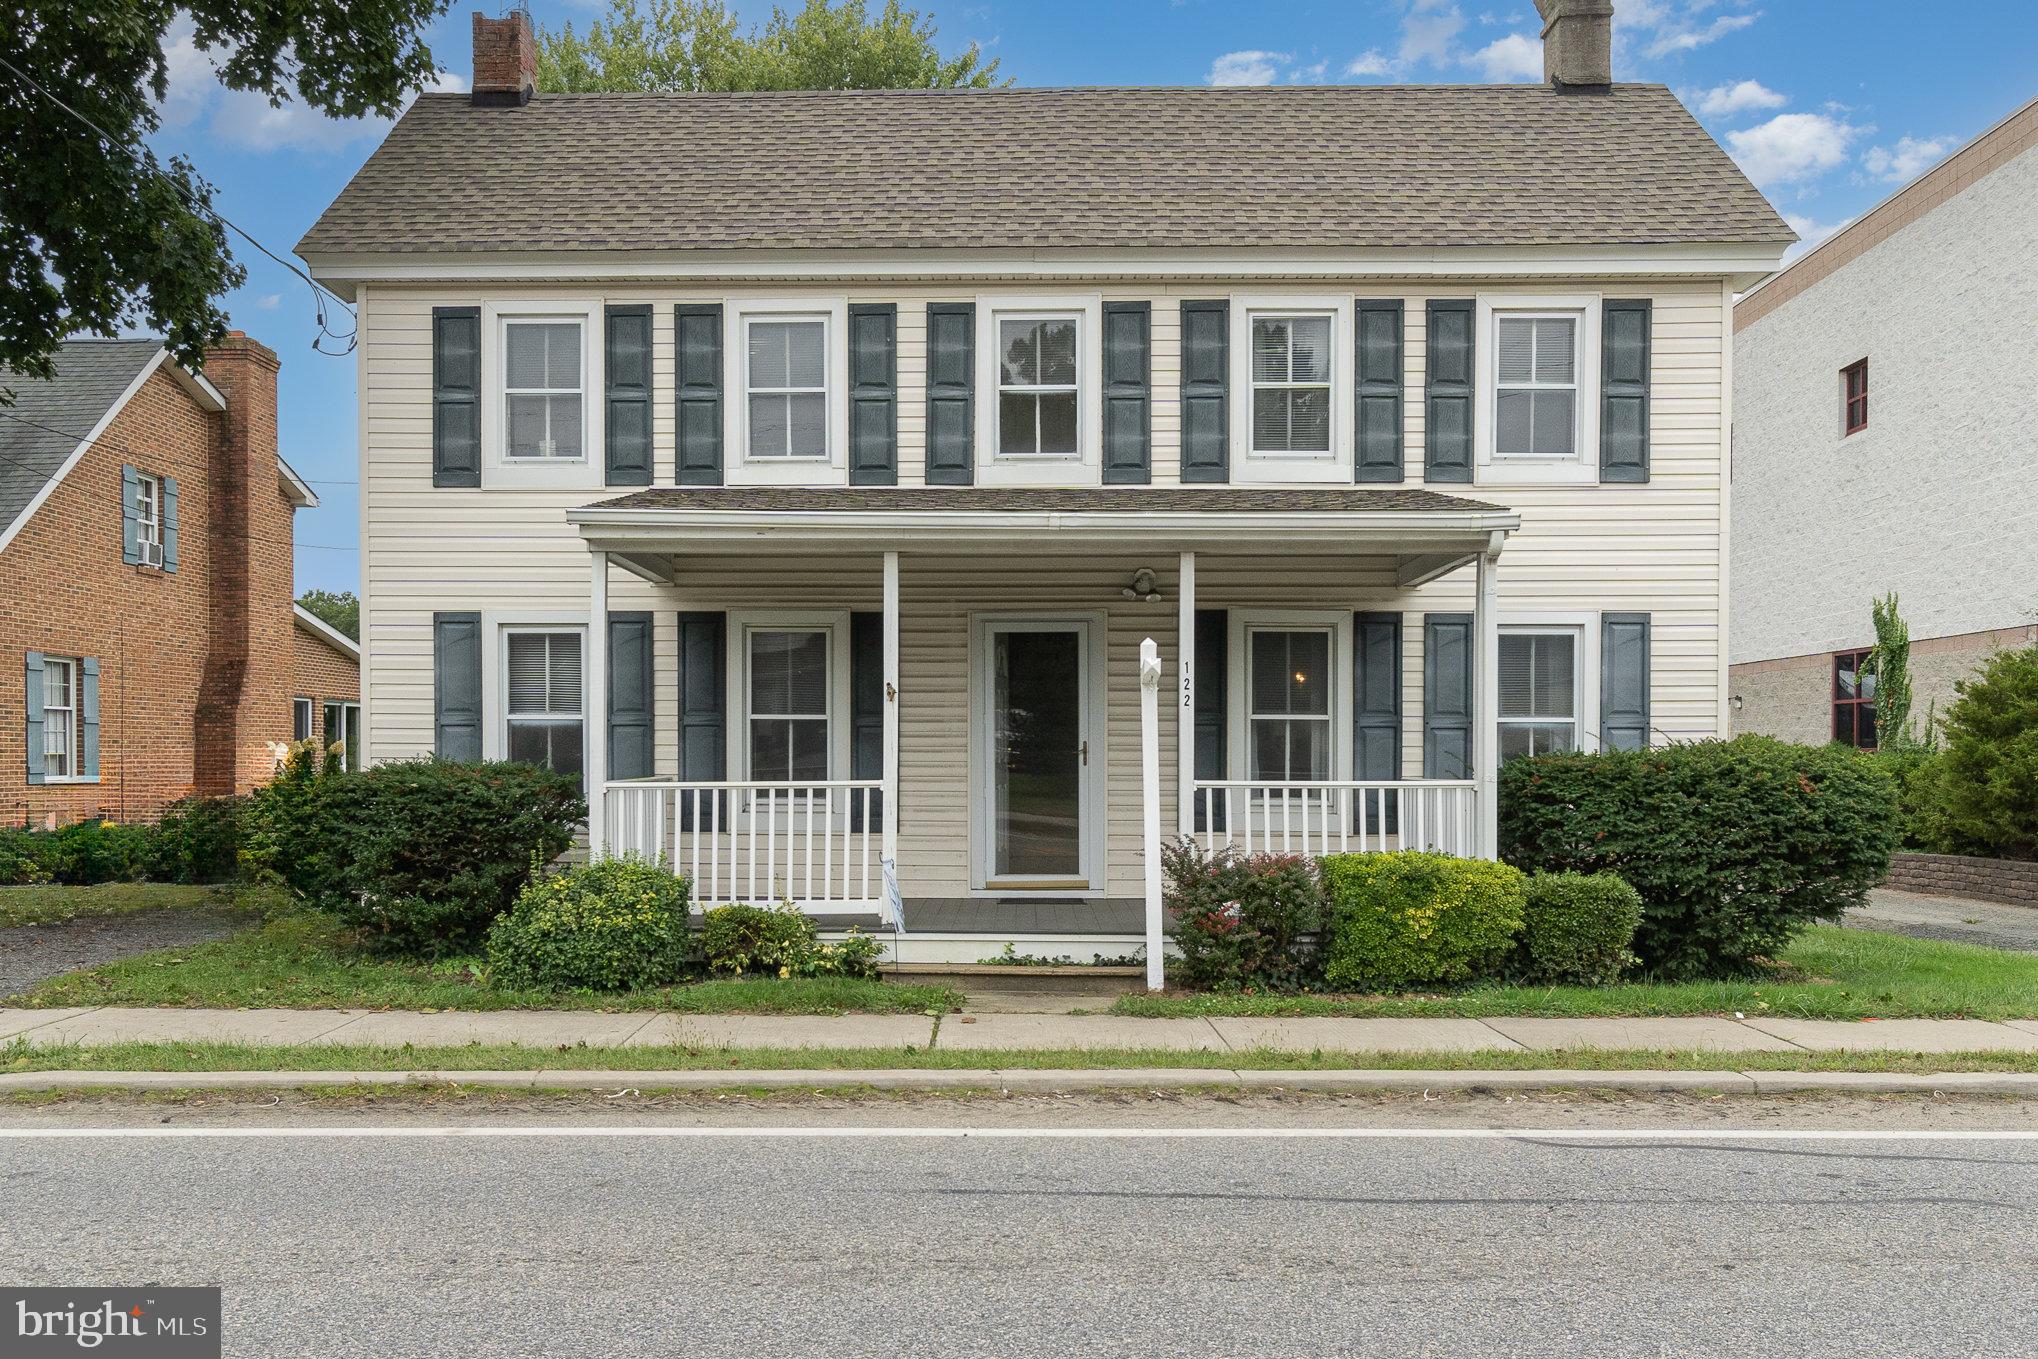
(1829, 973)
(45, 905)
(299, 961)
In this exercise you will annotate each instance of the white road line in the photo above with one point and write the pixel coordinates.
(1060, 1134)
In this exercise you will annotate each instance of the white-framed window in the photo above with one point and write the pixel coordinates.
(1540, 680)
(1538, 395)
(544, 706)
(787, 701)
(786, 386)
(1289, 704)
(60, 708)
(149, 518)
(300, 719)
(544, 388)
(1291, 377)
(1040, 385)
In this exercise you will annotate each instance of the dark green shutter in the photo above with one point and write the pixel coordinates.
(1447, 708)
(130, 515)
(1624, 681)
(456, 685)
(169, 485)
(32, 702)
(88, 717)
(1128, 393)
(873, 394)
(626, 370)
(1447, 392)
(697, 380)
(1379, 372)
(1206, 375)
(951, 389)
(703, 708)
(456, 396)
(1213, 640)
(866, 709)
(1376, 711)
(633, 719)
(1624, 390)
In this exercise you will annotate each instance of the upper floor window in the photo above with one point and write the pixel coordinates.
(544, 394)
(1038, 386)
(545, 713)
(787, 385)
(1535, 390)
(59, 717)
(1538, 692)
(1854, 699)
(1854, 397)
(1291, 373)
(1288, 704)
(149, 518)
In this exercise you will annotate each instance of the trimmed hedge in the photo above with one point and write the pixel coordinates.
(1412, 918)
(610, 926)
(1734, 845)
(1238, 920)
(1578, 929)
(197, 841)
(781, 941)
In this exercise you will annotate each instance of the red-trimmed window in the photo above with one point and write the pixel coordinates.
(1854, 699)
(1854, 397)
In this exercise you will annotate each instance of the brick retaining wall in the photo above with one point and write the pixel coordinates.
(2011, 881)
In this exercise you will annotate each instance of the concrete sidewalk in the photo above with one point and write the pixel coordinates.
(1002, 1032)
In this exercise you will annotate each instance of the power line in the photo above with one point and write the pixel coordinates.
(147, 160)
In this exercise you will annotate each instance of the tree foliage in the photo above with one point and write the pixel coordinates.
(337, 608)
(1890, 662)
(98, 234)
(1988, 776)
(662, 46)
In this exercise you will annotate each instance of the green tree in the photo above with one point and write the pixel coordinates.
(1890, 663)
(97, 233)
(671, 45)
(337, 608)
(1988, 776)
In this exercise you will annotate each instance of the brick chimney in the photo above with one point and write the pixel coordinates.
(1577, 44)
(244, 690)
(505, 60)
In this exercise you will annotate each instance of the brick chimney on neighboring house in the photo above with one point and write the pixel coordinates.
(505, 60)
(244, 691)
(1578, 44)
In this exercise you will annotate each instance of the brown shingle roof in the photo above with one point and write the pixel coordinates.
(1337, 167)
(1048, 500)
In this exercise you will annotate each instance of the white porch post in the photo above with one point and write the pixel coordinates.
(1185, 700)
(1486, 704)
(889, 857)
(595, 703)
(1150, 802)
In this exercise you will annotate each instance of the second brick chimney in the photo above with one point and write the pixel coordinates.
(505, 60)
(1577, 44)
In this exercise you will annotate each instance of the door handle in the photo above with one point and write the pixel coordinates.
(1085, 752)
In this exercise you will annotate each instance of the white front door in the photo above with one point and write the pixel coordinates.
(1037, 755)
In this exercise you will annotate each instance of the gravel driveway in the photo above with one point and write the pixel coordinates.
(1953, 918)
(32, 953)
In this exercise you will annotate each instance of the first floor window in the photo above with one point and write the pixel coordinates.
(1288, 705)
(1291, 384)
(788, 705)
(1535, 399)
(300, 719)
(1538, 693)
(59, 717)
(1854, 699)
(788, 387)
(545, 704)
(542, 388)
(1037, 386)
(149, 518)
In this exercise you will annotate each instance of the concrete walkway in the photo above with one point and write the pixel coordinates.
(567, 1029)
(1959, 920)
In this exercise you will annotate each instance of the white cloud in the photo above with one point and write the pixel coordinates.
(1810, 232)
(1682, 37)
(1746, 96)
(1371, 64)
(1251, 67)
(1429, 32)
(1792, 146)
(269, 301)
(1909, 158)
(448, 82)
(1310, 74)
(1514, 57)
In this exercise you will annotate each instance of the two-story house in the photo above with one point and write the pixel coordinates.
(806, 469)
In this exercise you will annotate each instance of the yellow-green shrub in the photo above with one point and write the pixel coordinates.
(609, 926)
(1412, 918)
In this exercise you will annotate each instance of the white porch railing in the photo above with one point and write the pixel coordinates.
(817, 845)
(1338, 817)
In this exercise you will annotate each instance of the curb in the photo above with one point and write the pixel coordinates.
(1031, 1081)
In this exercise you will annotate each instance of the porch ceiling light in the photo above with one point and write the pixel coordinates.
(1143, 587)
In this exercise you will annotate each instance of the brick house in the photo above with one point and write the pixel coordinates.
(325, 684)
(146, 582)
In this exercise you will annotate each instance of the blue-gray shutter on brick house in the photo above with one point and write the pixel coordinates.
(1624, 681)
(697, 382)
(866, 711)
(1206, 376)
(169, 485)
(1624, 390)
(456, 686)
(1128, 393)
(873, 394)
(1213, 638)
(1379, 374)
(88, 717)
(633, 718)
(703, 711)
(626, 371)
(130, 515)
(32, 702)
(1447, 391)
(456, 396)
(951, 393)
(1447, 708)
(1376, 708)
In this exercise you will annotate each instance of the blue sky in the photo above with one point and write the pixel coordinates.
(1829, 105)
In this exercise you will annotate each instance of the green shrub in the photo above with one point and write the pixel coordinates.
(87, 852)
(1987, 782)
(1918, 775)
(1734, 846)
(1239, 921)
(1578, 929)
(781, 941)
(24, 857)
(198, 840)
(1412, 918)
(609, 926)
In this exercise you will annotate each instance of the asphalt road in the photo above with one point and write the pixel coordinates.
(891, 1245)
